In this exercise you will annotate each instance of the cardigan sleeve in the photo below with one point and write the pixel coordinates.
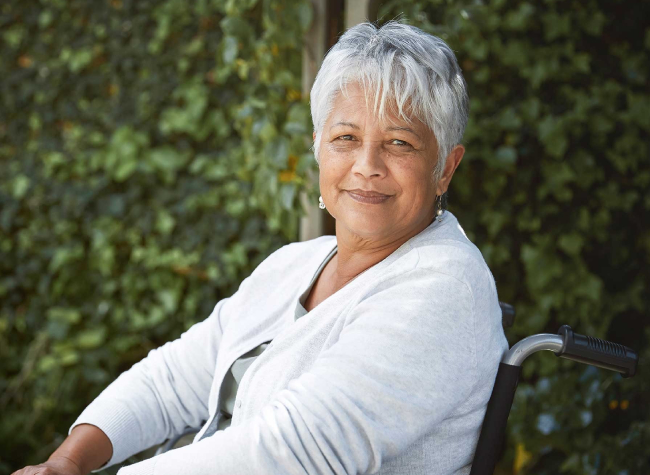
(404, 361)
(161, 395)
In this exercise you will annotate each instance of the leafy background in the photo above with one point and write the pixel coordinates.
(152, 152)
(151, 156)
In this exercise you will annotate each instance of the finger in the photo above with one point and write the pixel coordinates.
(22, 471)
(30, 470)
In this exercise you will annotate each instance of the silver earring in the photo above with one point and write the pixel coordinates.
(321, 205)
(440, 211)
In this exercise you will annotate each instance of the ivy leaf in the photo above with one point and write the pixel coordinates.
(91, 338)
(287, 195)
(230, 49)
(506, 156)
(553, 136)
(20, 186)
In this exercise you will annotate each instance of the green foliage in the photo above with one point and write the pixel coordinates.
(554, 190)
(152, 153)
(150, 158)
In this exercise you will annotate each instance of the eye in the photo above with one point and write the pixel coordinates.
(400, 143)
(344, 137)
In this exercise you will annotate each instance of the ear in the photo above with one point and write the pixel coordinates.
(453, 160)
(314, 136)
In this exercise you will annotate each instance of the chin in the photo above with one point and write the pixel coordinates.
(364, 225)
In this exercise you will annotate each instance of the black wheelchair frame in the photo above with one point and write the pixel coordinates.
(566, 344)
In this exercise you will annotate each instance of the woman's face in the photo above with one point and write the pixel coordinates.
(376, 178)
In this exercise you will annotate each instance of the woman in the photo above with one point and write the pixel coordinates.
(373, 351)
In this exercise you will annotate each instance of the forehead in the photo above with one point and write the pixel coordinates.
(355, 105)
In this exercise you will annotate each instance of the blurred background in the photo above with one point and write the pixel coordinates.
(153, 153)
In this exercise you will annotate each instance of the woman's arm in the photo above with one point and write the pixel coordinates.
(86, 448)
(156, 399)
(161, 395)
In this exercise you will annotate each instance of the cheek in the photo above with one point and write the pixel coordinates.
(415, 181)
(331, 174)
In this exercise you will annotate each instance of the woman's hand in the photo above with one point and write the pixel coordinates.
(56, 465)
(86, 448)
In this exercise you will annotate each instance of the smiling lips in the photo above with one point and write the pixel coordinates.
(368, 197)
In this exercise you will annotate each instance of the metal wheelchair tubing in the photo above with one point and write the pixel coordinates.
(532, 344)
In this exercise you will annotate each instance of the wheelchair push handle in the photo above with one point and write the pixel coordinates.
(566, 344)
(596, 352)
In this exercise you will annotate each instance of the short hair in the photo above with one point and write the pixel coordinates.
(404, 70)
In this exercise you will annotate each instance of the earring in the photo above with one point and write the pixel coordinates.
(321, 205)
(440, 211)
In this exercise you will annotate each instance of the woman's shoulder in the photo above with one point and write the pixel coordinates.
(280, 275)
(447, 249)
(297, 254)
(441, 259)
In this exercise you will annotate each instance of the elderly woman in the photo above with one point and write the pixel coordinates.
(374, 351)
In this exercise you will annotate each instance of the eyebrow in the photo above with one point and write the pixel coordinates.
(405, 129)
(389, 129)
(348, 124)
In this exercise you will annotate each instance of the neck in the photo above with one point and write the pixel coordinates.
(355, 253)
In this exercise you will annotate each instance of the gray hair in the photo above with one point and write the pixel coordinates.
(404, 70)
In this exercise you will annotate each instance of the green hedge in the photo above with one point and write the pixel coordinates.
(554, 189)
(151, 155)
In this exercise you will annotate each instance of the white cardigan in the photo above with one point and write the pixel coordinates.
(389, 375)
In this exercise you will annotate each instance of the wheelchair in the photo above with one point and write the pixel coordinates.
(566, 344)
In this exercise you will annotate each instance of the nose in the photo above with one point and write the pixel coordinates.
(369, 161)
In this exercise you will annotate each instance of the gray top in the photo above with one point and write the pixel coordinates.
(390, 375)
(230, 385)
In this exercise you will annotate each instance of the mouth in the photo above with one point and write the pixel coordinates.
(367, 196)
